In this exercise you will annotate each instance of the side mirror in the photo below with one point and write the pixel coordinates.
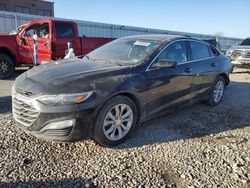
(165, 63)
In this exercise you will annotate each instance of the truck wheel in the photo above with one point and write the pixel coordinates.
(7, 66)
(115, 120)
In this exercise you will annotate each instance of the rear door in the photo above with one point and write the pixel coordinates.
(168, 87)
(65, 32)
(205, 66)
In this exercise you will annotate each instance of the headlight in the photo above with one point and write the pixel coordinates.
(236, 54)
(65, 99)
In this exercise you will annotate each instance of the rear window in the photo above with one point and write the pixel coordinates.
(64, 30)
(199, 50)
(246, 42)
(214, 52)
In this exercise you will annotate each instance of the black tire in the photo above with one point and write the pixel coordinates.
(98, 131)
(211, 100)
(7, 66)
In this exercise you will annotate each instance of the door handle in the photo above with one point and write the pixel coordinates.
(46, 44)
(22, 42)
(213, 64)
(188, 70)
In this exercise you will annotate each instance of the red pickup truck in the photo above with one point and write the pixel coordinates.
(53, 35)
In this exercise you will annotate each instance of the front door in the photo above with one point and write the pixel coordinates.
(169, 86)
(26, 46)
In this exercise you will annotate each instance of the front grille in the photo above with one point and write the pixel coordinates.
(23, 112)
(247, 55)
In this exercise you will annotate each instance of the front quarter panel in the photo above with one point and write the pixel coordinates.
(131, 84)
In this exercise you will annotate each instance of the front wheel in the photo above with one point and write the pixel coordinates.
(217, 91)
(115, 121)
(7, 66)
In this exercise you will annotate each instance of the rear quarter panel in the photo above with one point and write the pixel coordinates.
(225, 65)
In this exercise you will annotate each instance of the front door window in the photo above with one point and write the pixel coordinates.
(41, 30)
(176, 52)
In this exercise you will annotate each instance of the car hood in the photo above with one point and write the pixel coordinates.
(67, 69)
(241, 47)
(65, 76)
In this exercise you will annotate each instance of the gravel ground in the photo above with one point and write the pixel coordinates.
(199, 146)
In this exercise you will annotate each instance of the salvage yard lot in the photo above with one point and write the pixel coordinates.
(198, 146)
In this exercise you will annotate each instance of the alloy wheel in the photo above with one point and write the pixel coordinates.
(118, 122)
(218, 91)
(4, 67)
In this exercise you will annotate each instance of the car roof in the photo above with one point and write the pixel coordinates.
(158, 37)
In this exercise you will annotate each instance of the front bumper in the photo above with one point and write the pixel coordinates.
(33, 117)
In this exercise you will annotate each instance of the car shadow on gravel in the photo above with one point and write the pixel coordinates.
(67, 182)
(197, 121)
(5, 104)
(163, 129)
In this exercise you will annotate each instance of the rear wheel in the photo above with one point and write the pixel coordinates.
(7, 66)
(115, 121)
(217, 91)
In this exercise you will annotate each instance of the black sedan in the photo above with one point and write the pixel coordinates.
(107, 93)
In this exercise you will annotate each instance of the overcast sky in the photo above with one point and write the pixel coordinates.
(230, 17)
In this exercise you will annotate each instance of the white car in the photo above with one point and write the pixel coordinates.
(240, 54)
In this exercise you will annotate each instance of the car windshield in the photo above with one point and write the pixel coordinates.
(246, 42)
(124, 51)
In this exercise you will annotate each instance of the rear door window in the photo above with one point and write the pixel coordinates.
(199, 50)
(64, 30)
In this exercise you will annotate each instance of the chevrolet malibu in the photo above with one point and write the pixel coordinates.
(108, 92)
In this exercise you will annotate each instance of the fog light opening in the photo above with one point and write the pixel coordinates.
(58, 125)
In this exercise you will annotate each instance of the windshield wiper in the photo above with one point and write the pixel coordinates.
(120, 64)
(87, 57)
(105, 61)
